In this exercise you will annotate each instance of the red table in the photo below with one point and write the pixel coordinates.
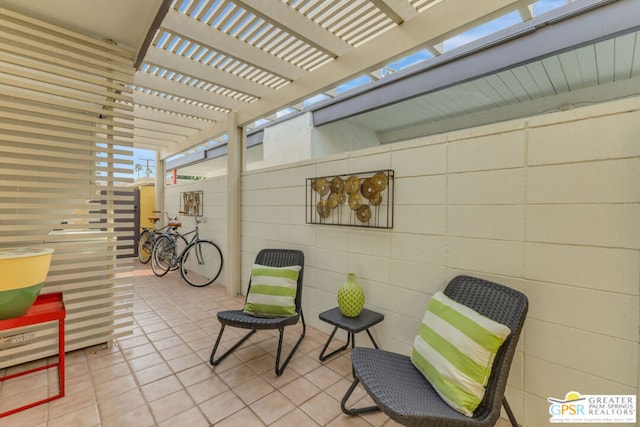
(46, 308)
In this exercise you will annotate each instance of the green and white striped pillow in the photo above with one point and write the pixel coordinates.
(455, 349)
(273, 291)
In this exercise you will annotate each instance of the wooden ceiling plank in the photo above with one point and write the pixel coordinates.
(153, 101)
(206, 73)
(173, 87)
(206, 36)
(298, 25)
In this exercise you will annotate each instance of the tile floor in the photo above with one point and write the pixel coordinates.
(160, 376)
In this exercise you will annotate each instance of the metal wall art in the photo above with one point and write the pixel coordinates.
(362, 199)
(191, 203)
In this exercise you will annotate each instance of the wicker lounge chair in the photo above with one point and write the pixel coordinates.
(400, 390)
(238, 319)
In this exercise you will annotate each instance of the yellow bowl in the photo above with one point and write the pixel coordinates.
(22, 274)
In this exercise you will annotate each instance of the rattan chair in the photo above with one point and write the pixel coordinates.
(238, 319)
(400, 390)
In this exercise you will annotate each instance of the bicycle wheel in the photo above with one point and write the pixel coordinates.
(182, 244)
(164, 251)
(145, 246)
(201, 263)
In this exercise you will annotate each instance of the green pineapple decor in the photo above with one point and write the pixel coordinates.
(350, 297)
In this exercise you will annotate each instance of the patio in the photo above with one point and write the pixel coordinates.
(160, 376)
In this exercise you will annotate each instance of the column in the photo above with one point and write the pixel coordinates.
(233, 258)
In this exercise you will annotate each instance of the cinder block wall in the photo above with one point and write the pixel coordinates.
(549, 205)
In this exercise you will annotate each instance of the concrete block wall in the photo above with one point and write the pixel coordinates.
(549, 205)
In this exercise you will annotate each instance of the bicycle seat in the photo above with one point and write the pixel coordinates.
(175, 224)
(154, 219)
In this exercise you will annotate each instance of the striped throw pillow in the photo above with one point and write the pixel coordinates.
(273, 291)
(454, 350)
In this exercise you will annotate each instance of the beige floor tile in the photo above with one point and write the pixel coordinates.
(110, 373)
(195, 375)
(221, 406)
(242, 418)
(74, 399)
(36, 416)
(161, 388)
(272, 407)
(190, 418)
(160, 375)
(343, 420)
(253, 390)
(322, 408)
(141, 350)
(296, 417)
(139, 417)
(304, 364)
(237, 376)
(87, 416)
(171, 405)
(185, 362)
(120, 403)
(207, 389)
(109, 389)
(323, 377)
(153, 373)
(300, 390)
(144, 362)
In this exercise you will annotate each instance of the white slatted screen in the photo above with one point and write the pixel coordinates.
(66, 130)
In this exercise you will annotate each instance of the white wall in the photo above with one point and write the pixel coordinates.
(549, 205)
(287, 142)
(339, 137)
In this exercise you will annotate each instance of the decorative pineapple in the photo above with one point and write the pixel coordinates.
(350, 297)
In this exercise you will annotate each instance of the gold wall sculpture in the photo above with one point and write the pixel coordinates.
(191, 203)
(363, 199)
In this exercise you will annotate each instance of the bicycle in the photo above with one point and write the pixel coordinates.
(200, 262)
(148, 237)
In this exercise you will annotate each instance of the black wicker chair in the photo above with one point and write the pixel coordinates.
(400, 390)
(238, 319)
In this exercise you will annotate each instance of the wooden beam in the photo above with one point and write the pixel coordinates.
(157, 21)
(285, 17)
